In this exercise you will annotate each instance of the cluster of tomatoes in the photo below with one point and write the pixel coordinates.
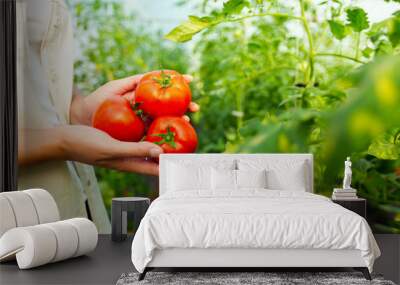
(161, 98)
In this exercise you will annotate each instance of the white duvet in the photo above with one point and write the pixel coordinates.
(250, 219)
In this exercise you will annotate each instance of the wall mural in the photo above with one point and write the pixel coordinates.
(329, 86)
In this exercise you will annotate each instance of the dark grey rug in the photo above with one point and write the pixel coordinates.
(236, 278)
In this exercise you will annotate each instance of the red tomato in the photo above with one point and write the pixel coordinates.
(116, 117)
(173, 134)
(163, 93)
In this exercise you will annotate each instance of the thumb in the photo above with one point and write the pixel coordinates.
(138, 149)
(124, 85)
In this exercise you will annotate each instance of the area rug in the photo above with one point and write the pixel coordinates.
(244, 278)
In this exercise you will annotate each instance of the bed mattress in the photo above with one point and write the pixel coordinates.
(250, 219)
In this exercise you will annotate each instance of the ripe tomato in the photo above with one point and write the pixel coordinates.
(173, 134)
(163, 93)
(116, 117)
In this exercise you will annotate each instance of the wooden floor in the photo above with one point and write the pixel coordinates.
(110, 260)
(103, 266)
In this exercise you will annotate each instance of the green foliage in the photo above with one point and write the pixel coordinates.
(264, 89)
(387, 145)
(188, 29)
(115, 44)
(357, 18)
(234, 6)
(338, 29)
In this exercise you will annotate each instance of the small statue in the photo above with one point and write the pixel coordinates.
(347, 174)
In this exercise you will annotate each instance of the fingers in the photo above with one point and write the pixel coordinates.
(136, 165)
(130, 96)
(194, 107)
(188, 78)
(139, 149)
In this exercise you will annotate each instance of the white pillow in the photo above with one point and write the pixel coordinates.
(251, 178)
(182, 177)
(292, 180)
(223, 179)
(204, 162)
(281, 174)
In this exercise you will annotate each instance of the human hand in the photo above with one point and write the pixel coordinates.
(89, 145)
(83, 108)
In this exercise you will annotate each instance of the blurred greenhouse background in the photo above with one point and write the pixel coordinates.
(270, 76)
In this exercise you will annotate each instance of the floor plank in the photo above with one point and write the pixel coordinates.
(110, 260)
(103, 266)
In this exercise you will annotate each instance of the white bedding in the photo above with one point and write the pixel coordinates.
(250, 219)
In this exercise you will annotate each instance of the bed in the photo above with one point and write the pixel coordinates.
(247, 210)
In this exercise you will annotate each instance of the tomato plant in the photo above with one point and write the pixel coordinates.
(116, 117)
(270, 76)
(318, 87)
(173, 134)
(163, 93)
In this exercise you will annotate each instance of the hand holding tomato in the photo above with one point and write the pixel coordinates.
(83, 107)
(164, 96)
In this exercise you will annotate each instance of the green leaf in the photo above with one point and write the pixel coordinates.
(367, 52)
(383, 47)
(357, 18)
(234, 6)
(386, 146)
(338, 29)
(394, 31)
(185, 31)
(253, 46)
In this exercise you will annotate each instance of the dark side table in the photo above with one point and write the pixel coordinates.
(357, 205)
(120, 208)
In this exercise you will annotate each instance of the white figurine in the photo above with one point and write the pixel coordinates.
(347, 174)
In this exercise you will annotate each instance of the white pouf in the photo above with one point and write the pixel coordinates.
(23, 209)
(31, 233)
(46, 207)
(7, 220)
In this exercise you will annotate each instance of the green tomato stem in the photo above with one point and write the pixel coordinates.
(165, 80)
(339, 56)
(168, 138)
(310, 43)
(276, 15)
(358, 37)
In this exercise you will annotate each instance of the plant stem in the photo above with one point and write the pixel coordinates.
(358, 36)
(340, 56)
(310, 43)
(239, 91)
(264, 15)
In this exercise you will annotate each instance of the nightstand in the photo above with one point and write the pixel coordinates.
(357, 205)
(119, 214)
